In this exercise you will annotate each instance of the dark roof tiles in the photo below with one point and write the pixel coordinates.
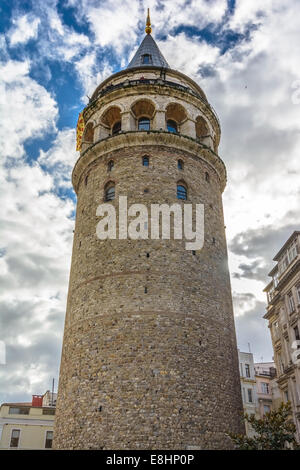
(148, 46)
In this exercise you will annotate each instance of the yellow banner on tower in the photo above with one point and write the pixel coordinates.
(79, 130)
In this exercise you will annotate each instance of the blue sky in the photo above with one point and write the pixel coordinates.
(53, 54)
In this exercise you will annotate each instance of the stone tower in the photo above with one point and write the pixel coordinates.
(149, 356)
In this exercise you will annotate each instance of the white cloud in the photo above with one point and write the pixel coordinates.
(61, 157)
(28, 108)
(89, 75)
(250, 87)
(188, 54)
(24, 28)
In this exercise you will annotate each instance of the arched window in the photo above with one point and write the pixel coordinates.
(145, 161)
(109, 193)
(172, 126)
(144, 124)
(180, 164)
(181, 191)
(116, 128)
(110, 165)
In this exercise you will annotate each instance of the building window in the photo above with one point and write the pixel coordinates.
(146, 59)
(297, 335)
(267, 409)
(18, 411)
(49, 439)
(207, 178)
(281, 363)
(116, 128)
(250, 396)
(144, 124)
(49, 411)
(298, 293)
(291, 303)
(145, 161)
(181, 192)
(292, 251)
(180, 164)
(15, 437)
(265, 388)
(110, 165)
(286, 395)
(247, 369)
(109, 192)
(172, 126)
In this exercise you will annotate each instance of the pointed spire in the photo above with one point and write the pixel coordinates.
(148, 29)
(148, 53)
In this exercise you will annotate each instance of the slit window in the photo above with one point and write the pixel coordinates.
(110, 165)
(110, 193)
(181, 192)
(145, 161)
(180, 165)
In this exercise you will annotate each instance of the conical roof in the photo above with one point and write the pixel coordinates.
(148, 54)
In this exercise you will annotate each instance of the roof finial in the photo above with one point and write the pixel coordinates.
(148, 28)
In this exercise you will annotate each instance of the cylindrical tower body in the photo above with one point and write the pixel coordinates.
(149, 355)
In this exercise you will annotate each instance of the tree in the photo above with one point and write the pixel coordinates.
(276, 431)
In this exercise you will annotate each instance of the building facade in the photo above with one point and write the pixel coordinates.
(283, 315)
(265, 376)
(26, 425)
(248, 386)
(149, 353)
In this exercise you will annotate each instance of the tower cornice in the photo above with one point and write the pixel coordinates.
(142, 70)
(146, 139)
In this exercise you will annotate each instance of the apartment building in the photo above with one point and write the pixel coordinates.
(28, 425)
(283, 315)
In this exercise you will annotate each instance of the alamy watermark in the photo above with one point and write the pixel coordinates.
(137, 228)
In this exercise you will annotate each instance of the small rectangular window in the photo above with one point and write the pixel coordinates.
(267, 409)
(49, 439)
(291, 303)
(298, 293)
(14, 410)
(15, 437)
(265, 388)
(297, 335)
(247, 369)
(50, 411)
(250, 396)
(146, 59)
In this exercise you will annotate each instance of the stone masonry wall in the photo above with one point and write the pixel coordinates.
(154, 368)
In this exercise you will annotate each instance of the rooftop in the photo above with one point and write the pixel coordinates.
(148, 54)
